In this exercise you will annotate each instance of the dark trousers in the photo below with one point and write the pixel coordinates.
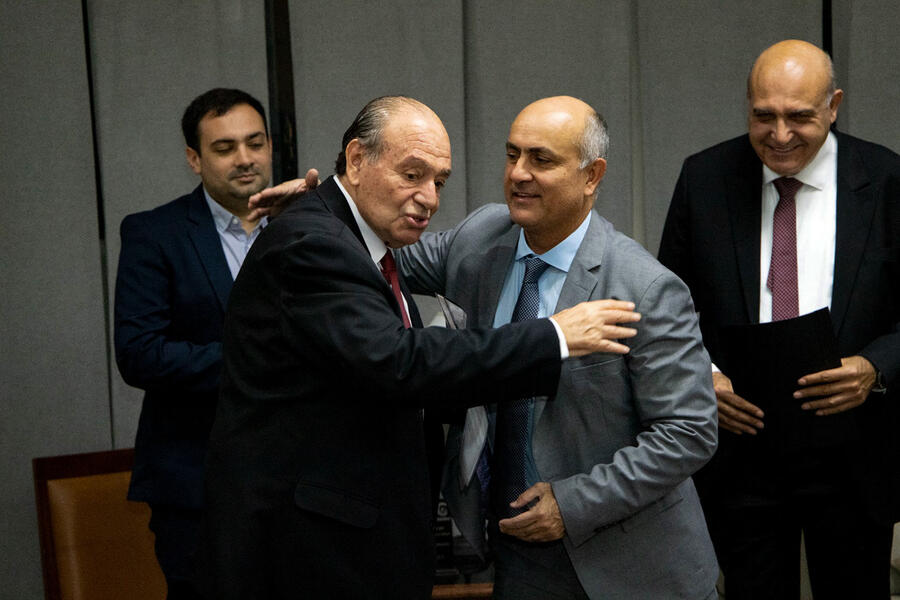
(533, 571)
(758, 510)
(176, 531)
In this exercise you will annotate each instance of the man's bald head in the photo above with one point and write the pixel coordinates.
(792, 103)
(555, 159)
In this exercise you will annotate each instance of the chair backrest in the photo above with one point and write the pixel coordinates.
(95, 544)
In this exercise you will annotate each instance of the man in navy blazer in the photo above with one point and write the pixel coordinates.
(176, 269)
(832, 472)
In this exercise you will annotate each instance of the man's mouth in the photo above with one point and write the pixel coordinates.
(247, 177)
(418, 221)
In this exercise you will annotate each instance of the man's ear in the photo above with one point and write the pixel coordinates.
(595, 172)
(193, 159)
(355, 155)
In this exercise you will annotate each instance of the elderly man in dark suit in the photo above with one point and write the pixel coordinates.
(176, 268)
(317, 482)
(783, 221)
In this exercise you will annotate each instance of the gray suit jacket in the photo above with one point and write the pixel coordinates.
(623, 434)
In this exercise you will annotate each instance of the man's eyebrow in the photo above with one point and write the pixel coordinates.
(532, 150)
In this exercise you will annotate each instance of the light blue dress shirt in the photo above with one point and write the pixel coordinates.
(235, 241)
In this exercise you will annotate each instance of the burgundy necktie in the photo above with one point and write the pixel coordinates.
(782, 280)
(389, 270)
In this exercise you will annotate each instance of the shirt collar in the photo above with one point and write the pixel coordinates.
(376, 247)
(224, 220)
(819, 171)
(561, 255)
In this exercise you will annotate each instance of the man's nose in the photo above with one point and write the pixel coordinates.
(243, 156)
(519, 170)
(783, 132)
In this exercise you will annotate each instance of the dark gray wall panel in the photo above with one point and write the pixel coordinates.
(149, 63)
(349, 52)
(519, 52)
(53, 391)
(867, 65)
(694, 61)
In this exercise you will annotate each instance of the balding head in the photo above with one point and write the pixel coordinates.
(792, 104)
(555, 159)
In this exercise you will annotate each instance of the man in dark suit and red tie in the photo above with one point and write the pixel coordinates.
(788, 219)
(317, 482)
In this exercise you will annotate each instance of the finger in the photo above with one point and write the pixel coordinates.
(517, 523)
(616, 332)
(312, 179)
(623, 305)
(838, 409)
(525, 497)
(620, 316)
(736, 426)
(730, 400)
(826, 376)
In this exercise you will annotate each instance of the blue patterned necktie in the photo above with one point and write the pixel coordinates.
(511, 454)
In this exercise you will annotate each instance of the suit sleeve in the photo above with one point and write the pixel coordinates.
(424, 264)
(149, 353)
(668, 372)
(675, 246)
(337, 309)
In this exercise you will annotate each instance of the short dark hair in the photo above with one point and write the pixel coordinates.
(369, 125)
(217, 101)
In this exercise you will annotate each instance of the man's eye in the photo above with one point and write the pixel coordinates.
(439, 184)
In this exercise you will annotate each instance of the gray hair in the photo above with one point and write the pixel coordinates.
(594, 142)
(368, 127)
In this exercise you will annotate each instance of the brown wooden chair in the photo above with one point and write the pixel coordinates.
(463, 591)
(95, 544)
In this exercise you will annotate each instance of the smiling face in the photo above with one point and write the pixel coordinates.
(791, 107)
(547, 190)
(400, 190)
(234, 159)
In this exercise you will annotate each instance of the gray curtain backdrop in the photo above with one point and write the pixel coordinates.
(669, 78)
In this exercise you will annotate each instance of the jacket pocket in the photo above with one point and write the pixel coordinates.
(336, 504)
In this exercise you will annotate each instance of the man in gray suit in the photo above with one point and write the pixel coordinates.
(594, 497)
(611, 508)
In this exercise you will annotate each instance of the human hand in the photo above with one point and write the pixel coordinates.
(271, 201)
(540, 523)
(838, 389)
(593, 326)
(735, 414)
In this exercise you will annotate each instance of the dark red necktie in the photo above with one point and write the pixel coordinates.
(782, 280)
(389, 270)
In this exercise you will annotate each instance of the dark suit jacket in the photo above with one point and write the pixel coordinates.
(711, 240)
(171, 290)
(317, 480)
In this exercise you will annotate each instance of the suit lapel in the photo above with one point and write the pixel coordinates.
(855, 210)
(205, 238)
(581, 280)
(336, 202)
(743, 192)
(492, 276)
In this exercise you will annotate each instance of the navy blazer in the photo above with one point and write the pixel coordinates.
(711, 240)
(172, 286)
